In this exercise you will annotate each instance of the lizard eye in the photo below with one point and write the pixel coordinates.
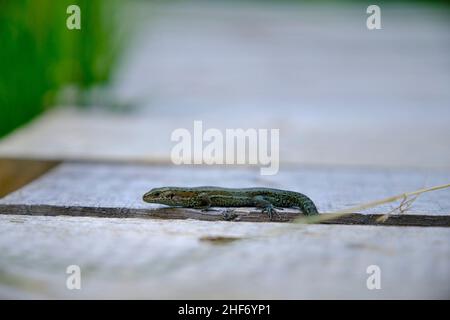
(167, 195)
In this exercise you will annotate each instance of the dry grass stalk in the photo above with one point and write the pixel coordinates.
(407, 199)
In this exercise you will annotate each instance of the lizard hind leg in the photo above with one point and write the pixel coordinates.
(267, 207)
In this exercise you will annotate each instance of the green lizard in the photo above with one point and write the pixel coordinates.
(205, 197)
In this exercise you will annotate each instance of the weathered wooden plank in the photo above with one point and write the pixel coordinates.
(188, 259)
(113, 190)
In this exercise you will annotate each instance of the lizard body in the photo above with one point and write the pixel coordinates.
(204, 197)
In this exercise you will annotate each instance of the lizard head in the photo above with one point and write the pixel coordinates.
(172, 196)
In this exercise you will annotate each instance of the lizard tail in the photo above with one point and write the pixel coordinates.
(307, 206)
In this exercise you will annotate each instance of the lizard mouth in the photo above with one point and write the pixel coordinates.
(149, 197)
(152, 199)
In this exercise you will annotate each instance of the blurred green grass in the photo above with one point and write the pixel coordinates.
(39, 55)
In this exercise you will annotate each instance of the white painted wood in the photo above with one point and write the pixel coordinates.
(138, 258)
(120, 187)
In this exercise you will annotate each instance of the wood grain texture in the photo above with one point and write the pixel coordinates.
(189, 259)
(114, 190)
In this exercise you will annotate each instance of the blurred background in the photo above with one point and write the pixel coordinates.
(40, 56)
(137, 70)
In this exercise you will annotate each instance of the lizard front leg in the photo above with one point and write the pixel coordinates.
(202, 201)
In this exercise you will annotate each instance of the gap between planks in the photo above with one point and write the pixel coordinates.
(415, 220)
(16, 173)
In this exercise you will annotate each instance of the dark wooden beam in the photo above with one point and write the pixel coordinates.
(241, 215)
